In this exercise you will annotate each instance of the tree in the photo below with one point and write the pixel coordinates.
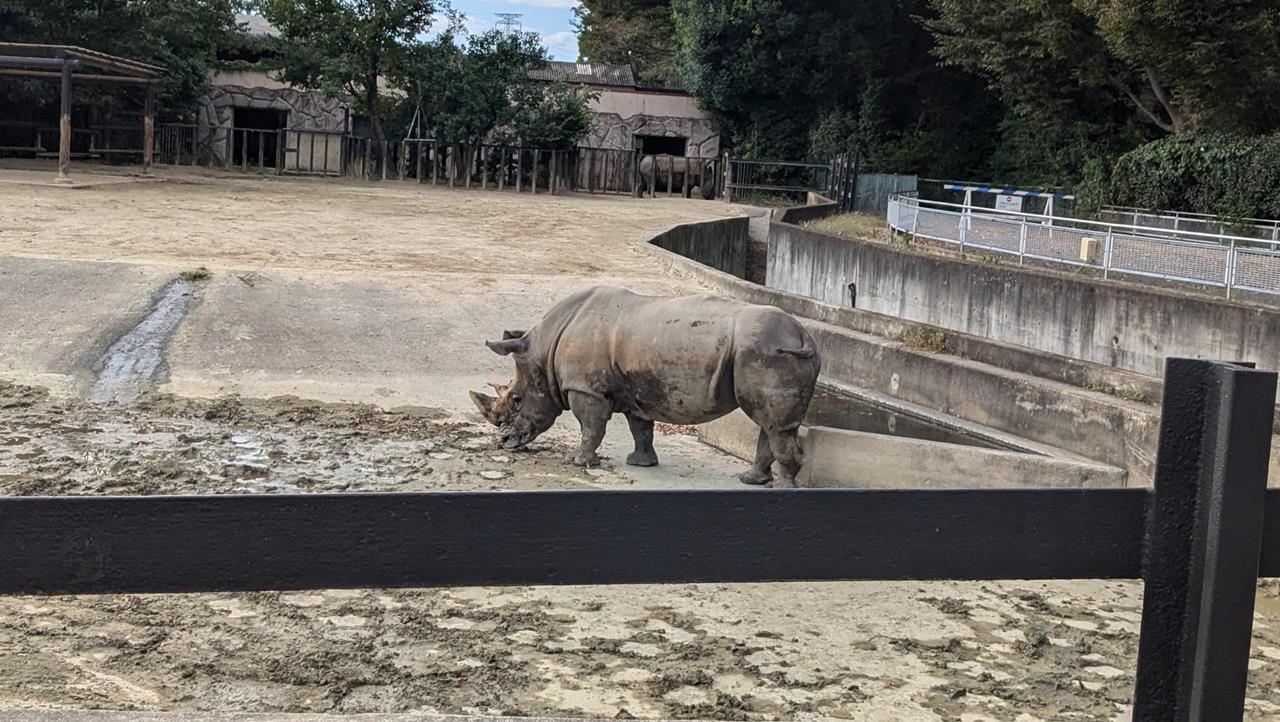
(1176, 65)
(182, 36)
(809, 77)
(345, 47)
(553, 116)
(481, 91)
(641, 33)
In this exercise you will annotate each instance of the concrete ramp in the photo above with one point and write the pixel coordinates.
(840, 458)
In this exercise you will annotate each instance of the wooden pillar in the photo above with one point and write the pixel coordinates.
(519, 169)
(148, 129)
(64, 124)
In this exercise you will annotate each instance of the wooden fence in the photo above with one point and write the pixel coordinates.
(1199, 539)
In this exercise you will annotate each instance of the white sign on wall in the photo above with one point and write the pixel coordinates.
(1009, 203)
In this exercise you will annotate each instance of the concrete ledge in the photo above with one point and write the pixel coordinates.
(1128, 325)
(816, 206)
(837, 458)
(69, 715)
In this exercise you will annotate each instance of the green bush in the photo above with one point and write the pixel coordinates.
(1229, 175)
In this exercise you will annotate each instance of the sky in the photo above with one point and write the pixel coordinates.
(549, 18)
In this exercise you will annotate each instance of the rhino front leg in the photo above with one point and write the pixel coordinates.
(642, 431)
(593, 415)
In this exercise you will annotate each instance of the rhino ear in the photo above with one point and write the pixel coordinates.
(508, 346)
(508, 335)
(485, 404)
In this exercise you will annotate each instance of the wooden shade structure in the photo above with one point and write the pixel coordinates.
(69, 64)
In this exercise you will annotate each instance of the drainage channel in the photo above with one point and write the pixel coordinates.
(136, 361)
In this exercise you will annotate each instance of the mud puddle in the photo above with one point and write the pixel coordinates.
(136, 360)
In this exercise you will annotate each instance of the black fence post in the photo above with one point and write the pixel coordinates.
(1203, 541)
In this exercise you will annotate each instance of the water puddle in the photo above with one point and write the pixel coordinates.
(136, 360)
(842, 411)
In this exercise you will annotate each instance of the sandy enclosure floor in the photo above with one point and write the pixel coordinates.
(297, 262)
(876, 651)
(315, 226)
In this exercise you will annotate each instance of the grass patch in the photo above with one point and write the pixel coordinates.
(927, 338)
(200, 274)
(851, 225)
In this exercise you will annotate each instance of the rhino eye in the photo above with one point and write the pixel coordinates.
(515, 399)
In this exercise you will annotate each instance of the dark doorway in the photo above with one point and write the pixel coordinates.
(250, 140)
(661, 145)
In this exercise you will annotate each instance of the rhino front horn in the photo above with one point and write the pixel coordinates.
(485, 404)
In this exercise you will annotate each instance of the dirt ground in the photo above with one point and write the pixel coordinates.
(268, 223)
(1020, 651)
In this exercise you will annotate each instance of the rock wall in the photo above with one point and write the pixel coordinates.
(307, 110)
(613, 131)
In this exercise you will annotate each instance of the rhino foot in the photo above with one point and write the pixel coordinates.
(642, 458)
(781, 484)
(755, 478)
(589, 459)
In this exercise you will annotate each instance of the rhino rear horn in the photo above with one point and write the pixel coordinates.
(508, 346)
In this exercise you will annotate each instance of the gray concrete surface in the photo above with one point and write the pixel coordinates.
(838, 458)
(57, 317)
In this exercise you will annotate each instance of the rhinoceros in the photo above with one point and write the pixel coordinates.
(654, 171)
(679, 360)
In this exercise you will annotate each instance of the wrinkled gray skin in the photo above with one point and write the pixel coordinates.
(699, 171)
(685, 360)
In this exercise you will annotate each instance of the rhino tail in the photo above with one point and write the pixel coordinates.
(806, 350)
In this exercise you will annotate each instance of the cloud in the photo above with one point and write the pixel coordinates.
(563, 45)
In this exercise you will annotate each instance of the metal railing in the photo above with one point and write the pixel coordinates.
(747, 177)
(1260, 228)
(1209, 259)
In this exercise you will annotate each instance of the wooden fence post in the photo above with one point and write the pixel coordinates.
(1204, 538)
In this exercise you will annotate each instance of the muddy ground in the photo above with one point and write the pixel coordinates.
(868, 651)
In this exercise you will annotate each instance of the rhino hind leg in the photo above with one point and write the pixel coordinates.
(786, 446)
(761, 471)
(593, 415)
(642, 431)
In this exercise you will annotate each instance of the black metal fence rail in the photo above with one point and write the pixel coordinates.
(1199, 539)
(775, 178)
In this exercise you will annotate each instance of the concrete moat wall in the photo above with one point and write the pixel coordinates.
(1116, 324)
(1092, 410)
(720, 244)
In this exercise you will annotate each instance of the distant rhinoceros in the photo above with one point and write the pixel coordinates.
(683, 360)
(654, 169)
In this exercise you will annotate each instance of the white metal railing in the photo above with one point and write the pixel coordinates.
(1211, 259)
(1259, 228)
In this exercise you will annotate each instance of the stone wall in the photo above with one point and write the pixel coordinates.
(611, 130)
(307, 110)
